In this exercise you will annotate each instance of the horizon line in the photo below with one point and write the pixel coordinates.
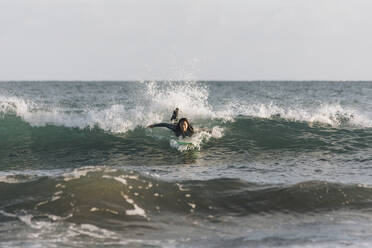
(184, 80)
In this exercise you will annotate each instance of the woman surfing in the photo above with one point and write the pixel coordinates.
(182, 127)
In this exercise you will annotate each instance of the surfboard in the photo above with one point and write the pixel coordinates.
(185, 143)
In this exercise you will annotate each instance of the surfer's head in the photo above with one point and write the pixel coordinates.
(184, 125)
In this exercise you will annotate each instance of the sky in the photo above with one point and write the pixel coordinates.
(185, 40)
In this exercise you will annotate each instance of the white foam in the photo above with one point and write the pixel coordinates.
(55, 198)
(200, 136)
(25, 175)
(7, 214)
(137, 210)
(180, 187)
(119, 179)
(40, 204)
(94, 209)
(27, 219)
(333, 114)
(78, 173)
(9, 179)
(192, 205)
(93, 231)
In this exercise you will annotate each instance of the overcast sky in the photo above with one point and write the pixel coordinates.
(186, 39)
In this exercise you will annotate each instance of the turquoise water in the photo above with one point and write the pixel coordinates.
(273, 164)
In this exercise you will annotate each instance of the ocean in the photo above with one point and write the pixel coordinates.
(273, 164)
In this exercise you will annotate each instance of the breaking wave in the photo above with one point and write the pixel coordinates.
(145, 103)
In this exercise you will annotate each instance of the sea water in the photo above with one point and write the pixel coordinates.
(274, 164)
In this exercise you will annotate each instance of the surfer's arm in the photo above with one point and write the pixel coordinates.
(167, 125)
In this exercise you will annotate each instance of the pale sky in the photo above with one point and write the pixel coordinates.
(186, 39)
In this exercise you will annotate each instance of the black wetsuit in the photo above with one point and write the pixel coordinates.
(176, 129)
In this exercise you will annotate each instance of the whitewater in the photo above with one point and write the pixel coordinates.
(274, 164)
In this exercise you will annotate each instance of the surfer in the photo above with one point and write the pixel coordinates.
(183, 126)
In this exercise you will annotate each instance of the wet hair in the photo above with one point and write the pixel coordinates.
(189, 127)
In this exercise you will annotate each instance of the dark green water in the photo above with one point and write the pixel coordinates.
(273, 164)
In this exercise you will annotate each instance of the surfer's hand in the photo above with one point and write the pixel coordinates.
(151, 126)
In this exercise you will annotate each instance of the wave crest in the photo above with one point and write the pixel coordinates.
(98, 192)
(150, 102)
